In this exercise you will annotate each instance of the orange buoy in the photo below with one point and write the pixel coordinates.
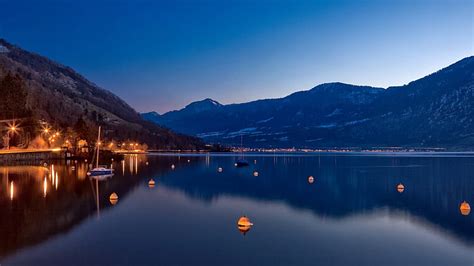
(400, 188)
(113, 198)
(219, 169)
(151, 183)
(244, 224)
(310, 179)
(465, 208)
(255, 173)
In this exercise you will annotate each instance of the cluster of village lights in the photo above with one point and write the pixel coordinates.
(52, 136)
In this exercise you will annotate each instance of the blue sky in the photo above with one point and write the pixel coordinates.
(161, 55)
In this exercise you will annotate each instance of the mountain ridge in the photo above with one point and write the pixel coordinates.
(63, 97)
(343, 115)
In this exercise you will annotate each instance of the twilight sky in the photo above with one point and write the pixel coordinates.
(161, 55)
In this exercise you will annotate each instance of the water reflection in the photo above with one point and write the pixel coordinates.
(348, 186)
(40, 202)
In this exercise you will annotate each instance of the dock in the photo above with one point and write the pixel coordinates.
(31, 155)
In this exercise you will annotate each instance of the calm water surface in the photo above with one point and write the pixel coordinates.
(351, 215)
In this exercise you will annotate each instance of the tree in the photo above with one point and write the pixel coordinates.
(13, 97)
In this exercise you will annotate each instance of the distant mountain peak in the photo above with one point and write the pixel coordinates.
(203, 105)
(205, 102)
(153, 113)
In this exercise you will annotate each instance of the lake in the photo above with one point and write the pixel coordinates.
(353, 213)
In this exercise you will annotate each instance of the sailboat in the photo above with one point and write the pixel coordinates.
(241, 162)
(100, 171)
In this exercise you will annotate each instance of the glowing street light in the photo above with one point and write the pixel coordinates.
(12, 128)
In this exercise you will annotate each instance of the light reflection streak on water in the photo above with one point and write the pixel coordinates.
(56, 181)
(45, 186)
(136, 164)
(12, 190)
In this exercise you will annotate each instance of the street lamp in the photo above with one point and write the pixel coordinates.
(11, 129)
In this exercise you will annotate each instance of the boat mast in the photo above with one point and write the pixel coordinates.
(98, 142)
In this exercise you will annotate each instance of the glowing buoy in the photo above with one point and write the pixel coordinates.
(244, 224)
(112, 159)
(146, 163)
(310, 179)
(189, 161)
(219, 169)
(235, 164)
(172, 166)
(113, 198)
(85, 160)
(255, 161)
(45, 165)
(400, 188)
(151, 183)
(255, 173)
(465, 208)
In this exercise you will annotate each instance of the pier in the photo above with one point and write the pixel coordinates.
(31, 155)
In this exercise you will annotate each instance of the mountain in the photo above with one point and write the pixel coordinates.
(57, 94)
(434, 111)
